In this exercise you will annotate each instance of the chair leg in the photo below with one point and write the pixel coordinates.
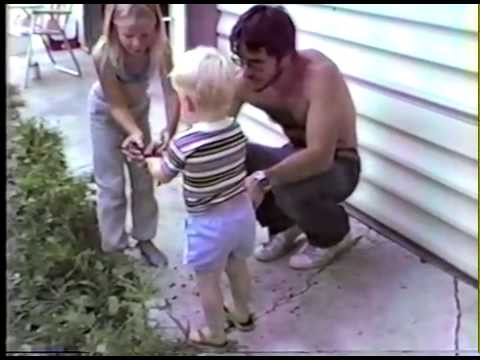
(28, 61)
(74, 59)
(47, 48)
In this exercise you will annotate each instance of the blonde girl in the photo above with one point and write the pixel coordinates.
(132, 51)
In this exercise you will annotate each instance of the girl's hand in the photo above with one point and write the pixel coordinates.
(155, 148)
(133, 147)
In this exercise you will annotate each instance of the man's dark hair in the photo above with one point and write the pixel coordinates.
(264, 26)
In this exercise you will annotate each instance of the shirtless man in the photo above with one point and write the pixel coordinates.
(299, 187)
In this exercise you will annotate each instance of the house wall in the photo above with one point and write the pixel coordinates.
(202, 22)
(413, 74)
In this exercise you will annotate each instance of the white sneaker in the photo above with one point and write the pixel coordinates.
(310, 257)
(278, 245)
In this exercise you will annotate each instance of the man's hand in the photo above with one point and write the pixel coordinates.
(132, 147)
(254, 191)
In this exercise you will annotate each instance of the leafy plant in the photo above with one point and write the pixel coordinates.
(62, 290)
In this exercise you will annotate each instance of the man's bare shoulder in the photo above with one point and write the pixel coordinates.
(315, 57)
(321, 72)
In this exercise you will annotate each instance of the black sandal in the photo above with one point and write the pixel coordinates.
(247, 325)
(155, 259)
(197, 337)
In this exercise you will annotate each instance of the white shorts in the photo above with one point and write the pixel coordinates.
(227, 229)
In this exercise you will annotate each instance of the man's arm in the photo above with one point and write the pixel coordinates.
(321, 132)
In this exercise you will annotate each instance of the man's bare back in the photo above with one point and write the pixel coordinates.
(288, 100)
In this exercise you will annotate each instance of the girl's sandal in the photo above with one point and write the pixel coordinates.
(199, 338)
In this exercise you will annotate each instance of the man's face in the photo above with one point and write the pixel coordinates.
(258, 67)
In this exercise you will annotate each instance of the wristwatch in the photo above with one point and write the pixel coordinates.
(262, 180)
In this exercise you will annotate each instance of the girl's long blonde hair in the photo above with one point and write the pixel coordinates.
(160, 52)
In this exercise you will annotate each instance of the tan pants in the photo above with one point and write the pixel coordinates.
(109, 164)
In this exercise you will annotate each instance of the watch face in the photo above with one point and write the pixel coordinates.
(262, 179)
(257, 176)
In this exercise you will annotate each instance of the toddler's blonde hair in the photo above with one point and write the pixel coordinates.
(208, 77)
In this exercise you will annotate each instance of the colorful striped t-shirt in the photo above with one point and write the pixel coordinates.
(211, 158)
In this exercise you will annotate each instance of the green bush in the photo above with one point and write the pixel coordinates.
(62, 291)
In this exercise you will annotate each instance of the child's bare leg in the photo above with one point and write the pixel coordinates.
(212, 302)
(240, 284)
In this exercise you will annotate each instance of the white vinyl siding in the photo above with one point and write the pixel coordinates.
(413, 73)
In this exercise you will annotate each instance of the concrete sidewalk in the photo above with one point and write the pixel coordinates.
(377, 298)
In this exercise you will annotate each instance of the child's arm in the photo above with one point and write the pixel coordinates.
(157, 167)
(166, 167)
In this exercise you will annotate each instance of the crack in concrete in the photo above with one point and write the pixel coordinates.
(459, 316)
(285, 299)
(309, 283)
(288, 299)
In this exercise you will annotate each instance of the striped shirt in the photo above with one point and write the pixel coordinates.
(211, 158)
